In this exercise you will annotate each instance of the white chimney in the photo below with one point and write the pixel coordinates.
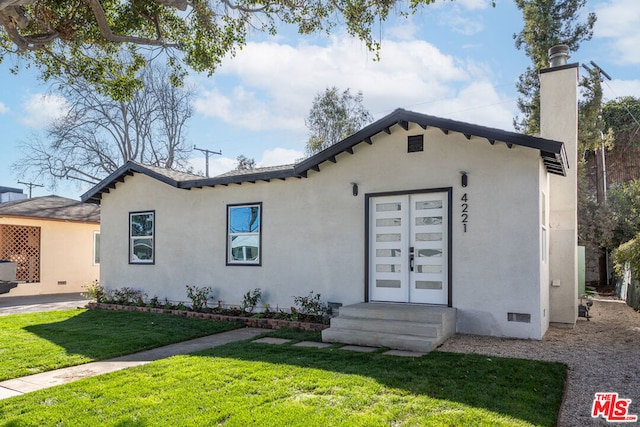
(559, 121)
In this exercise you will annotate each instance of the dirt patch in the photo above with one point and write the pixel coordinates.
(603, 355)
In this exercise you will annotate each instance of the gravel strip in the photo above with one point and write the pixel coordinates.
(603, 355)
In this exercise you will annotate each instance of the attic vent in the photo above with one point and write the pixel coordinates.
(415, 143)
(519, 317)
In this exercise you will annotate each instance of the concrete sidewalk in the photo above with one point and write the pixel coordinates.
(35, 303)
(35, 382)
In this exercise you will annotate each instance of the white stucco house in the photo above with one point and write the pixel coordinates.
(413, 213)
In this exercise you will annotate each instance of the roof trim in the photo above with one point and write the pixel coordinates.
(128, 169)
(552, 153)
(554, 149)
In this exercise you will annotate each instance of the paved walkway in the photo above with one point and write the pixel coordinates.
(35, 382)
(35, 303)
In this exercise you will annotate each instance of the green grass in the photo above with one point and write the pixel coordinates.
(38, 342)
(247, 384)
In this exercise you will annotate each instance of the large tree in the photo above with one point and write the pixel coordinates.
(622, 115)
(334, 115)
(80, 37)
(245, 163)
(546, 23)
(98, 134)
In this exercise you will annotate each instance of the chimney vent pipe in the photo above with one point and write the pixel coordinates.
(558, 55)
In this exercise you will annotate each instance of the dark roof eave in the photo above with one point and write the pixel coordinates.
(401, 117)
(238, 179)
(95, 194)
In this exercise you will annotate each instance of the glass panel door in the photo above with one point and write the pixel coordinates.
(428, 248)
(388, 242)
(408, 248)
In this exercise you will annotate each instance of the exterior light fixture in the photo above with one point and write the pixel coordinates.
(354, 188)
(465, 179)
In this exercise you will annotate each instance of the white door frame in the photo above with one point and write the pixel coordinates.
(369, 274)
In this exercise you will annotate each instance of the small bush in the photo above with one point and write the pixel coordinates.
(95, 291)
(154, 302)
(126, 296)
(311, 305)
(199, 296)
(250, 300)
(628, 252)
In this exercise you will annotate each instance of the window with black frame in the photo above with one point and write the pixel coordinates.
(142, 237)
(244, 234)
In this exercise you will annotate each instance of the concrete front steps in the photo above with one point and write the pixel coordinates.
(411, 327)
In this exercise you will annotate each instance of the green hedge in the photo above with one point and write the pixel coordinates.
(629, 252)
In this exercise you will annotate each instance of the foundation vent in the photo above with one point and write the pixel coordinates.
(519, 317)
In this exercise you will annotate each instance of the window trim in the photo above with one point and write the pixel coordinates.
(96, 248)
(152, 261)
(228, 235)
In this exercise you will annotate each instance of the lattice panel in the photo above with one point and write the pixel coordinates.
(21, 244)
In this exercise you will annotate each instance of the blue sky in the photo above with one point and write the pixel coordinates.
(452, 59)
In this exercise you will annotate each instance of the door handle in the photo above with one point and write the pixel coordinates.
(411, 258)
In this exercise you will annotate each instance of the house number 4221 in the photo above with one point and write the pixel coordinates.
(464, 213)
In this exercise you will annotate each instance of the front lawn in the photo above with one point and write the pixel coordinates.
(249, 384)
(38, 342)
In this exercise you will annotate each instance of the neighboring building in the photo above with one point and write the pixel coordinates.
(413, 209)
(8, 194)
(54, 243)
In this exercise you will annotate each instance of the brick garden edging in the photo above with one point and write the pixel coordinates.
(247, 321)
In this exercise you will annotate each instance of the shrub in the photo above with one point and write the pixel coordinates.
(154, 302)
(311, 305)
(199, 296)
(628, 252)
(250, 300)
(125, 296)
(95, 291)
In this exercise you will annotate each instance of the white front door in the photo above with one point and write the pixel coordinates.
(409, 248)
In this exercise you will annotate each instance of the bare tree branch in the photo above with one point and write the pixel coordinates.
(97, 134)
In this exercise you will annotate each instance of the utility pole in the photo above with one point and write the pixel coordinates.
(601, 177)
(601, 164)
(30, 185)
(206, 154)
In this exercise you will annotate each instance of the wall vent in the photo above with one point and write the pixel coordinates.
(62, 282)
(415, 143)
(519, 317)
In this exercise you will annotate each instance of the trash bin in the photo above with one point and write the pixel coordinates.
(7, 271)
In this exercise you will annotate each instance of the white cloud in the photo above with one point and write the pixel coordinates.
(406, 31)
(217, 165)
(279, 156)
(466, 4)
(3, 108)
(617, 88)
(220, 165)
(274, 84)
(619, 20)
(474, 4)
(41, 109)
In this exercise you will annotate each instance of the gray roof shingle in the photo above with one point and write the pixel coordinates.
(52, 207)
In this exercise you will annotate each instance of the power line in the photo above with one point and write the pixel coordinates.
(30, 185)
(206, 153)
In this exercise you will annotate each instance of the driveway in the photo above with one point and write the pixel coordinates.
(35, 303)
